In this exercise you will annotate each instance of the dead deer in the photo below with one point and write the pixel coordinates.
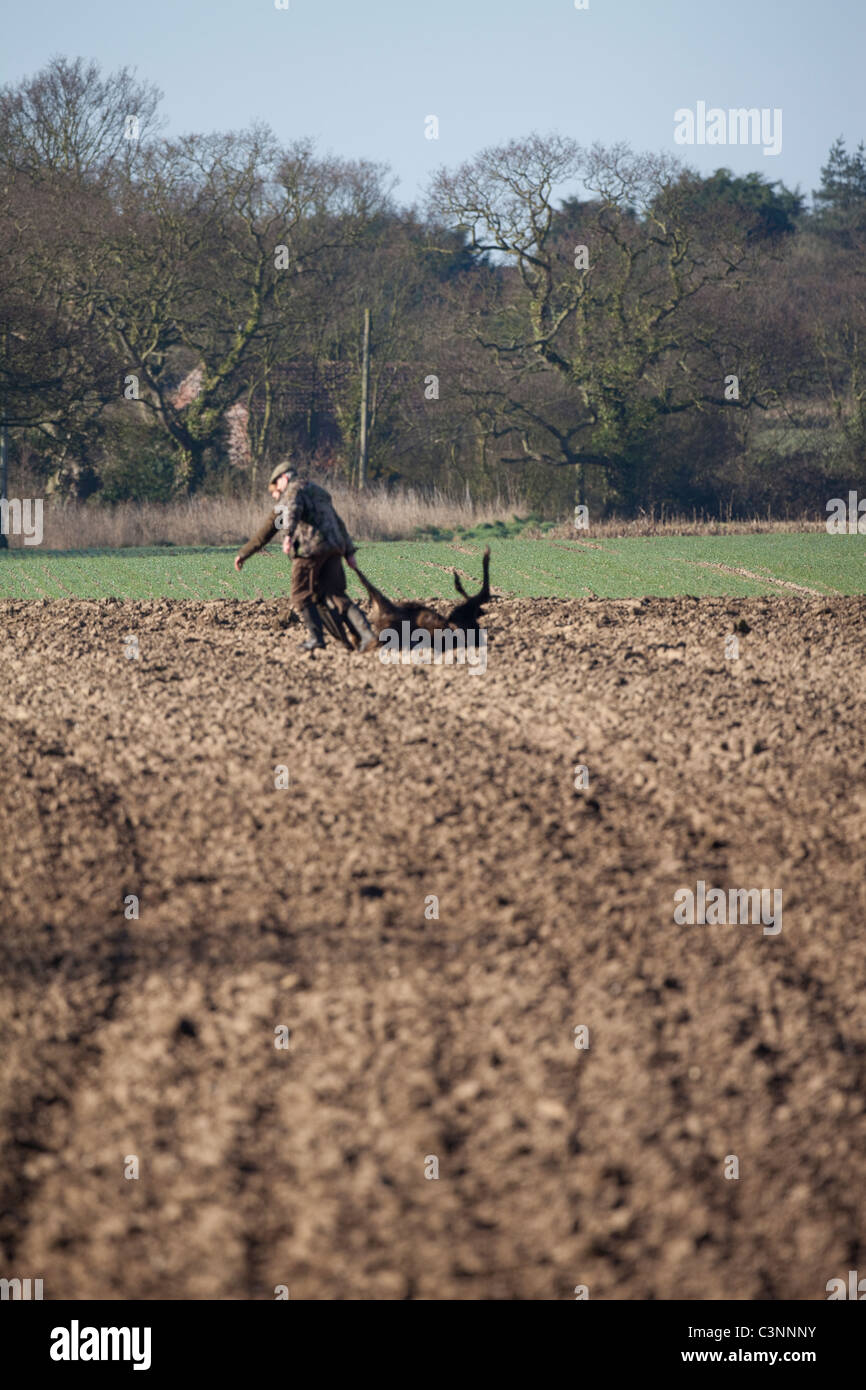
(465, 615)
(462, 618)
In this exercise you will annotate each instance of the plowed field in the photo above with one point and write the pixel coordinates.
(305, 914)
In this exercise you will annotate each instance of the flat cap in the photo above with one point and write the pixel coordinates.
(284, 466)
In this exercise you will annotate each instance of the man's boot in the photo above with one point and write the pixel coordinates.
(361, 626)
(313, 623)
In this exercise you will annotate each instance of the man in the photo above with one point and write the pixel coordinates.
(316, 538)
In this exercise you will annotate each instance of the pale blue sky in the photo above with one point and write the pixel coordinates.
(360, 76)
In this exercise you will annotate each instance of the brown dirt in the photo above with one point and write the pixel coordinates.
(411, 1037)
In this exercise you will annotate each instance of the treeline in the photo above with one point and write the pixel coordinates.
(177, 314)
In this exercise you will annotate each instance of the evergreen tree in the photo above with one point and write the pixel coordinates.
(843, 187)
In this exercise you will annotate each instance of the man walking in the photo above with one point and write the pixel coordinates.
(317, 539)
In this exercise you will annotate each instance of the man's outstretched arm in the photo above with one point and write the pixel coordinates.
(265, 533)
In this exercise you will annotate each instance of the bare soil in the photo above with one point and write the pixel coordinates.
(411, 1037)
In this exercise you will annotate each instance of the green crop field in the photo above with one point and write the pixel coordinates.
(665, 566)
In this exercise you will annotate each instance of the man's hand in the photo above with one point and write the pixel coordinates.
(239, 564)
(351, 561)
(287, 545)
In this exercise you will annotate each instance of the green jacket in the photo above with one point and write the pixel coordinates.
(306, 512)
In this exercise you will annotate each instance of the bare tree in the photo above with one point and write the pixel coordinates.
(220, 237)
(71, 120)
(612, 295)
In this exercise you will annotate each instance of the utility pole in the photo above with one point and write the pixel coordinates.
(365, 391)
(4, 476)
(4, 455)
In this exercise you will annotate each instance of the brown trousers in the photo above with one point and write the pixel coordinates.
(318, 577)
